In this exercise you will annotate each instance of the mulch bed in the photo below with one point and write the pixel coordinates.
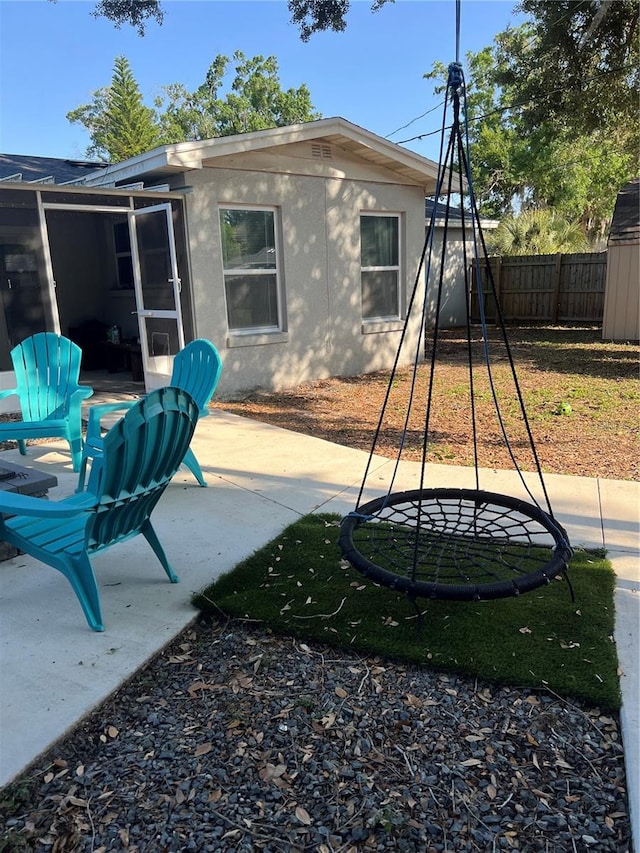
(235, 740)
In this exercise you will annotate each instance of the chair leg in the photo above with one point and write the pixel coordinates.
(75, 446)
(194, 466)
(22, 446)
(79, 572)
(150, 535)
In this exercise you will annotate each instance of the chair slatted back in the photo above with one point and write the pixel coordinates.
(141, 454)
(197, 369)
(46, 366)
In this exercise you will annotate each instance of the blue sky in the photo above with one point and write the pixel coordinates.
(53, 56)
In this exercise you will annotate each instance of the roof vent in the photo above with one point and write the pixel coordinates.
(321, 152)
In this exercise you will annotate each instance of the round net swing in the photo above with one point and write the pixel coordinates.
(423, 537)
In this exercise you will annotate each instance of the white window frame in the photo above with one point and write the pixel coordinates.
(396, 268)
(277, 271)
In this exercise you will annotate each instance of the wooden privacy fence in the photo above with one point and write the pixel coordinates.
(551, 288)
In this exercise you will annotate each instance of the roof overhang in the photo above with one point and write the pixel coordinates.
(410, 168)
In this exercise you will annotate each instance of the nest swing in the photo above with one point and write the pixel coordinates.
(463, 544)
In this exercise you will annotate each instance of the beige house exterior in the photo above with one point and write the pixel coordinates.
(297, 251)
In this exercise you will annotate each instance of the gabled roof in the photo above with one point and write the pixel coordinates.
(162, 162)
(625, 225)
(50, 170)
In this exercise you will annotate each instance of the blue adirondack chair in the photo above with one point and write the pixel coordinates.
(131, 468)
(47, 369)
(196, 369)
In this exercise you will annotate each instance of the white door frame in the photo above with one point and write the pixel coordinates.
(157, 367)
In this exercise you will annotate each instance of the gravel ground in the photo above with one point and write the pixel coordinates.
(235, 740)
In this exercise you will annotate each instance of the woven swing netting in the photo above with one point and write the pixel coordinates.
(421, 536)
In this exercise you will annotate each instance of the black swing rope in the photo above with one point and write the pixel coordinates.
(443, 543)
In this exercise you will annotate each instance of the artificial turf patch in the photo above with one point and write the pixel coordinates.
(299, 585)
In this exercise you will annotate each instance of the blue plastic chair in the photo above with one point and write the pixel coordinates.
(131, 468)
(47, 369)
(196, 369)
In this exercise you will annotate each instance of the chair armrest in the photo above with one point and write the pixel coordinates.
(8, 393)
(82, 392)
(12, 503)
(99, 410)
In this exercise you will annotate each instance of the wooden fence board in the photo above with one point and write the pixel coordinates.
(540, 288)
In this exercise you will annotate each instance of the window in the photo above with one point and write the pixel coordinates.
(251, 274)
(380, 266)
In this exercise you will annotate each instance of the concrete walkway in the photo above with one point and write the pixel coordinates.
(54, 669)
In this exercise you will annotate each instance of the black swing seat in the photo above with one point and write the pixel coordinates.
(455, 544)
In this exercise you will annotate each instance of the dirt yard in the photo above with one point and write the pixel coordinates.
(580, 395)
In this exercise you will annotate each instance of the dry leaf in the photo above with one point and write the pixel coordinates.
(524, 630)
(492, 792)
(541, 794)
(214, 796)
(471, 762)
(303, 816)
(341, 692)
(113, 732)
(203, 748)
(272, 771)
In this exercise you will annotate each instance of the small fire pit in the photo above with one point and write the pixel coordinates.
(24, 481)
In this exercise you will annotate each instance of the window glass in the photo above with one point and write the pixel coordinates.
(252, 301)
(379, 236)
(248, 239)
(250, 261)
(380, 266)
(379, 294)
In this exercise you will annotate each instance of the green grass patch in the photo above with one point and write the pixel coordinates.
(298, 585)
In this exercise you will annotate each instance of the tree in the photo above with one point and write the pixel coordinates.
(134, 12)
(526, 154)
(255, 102)
(119, 124)
(537, 232)
(580, 60)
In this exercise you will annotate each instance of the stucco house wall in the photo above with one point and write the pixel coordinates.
(320, 235)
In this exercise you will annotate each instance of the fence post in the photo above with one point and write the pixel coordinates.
(555, 305)
(496, 284)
